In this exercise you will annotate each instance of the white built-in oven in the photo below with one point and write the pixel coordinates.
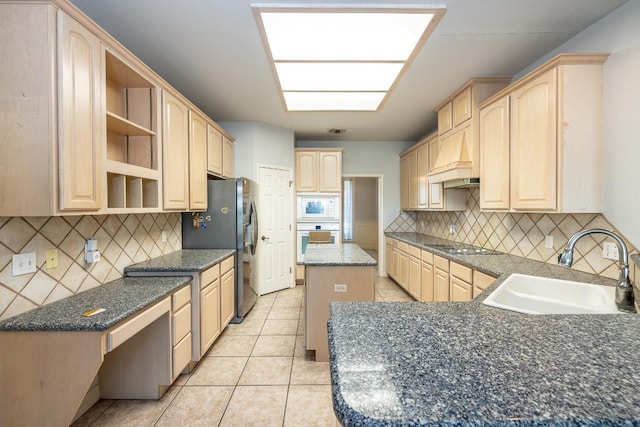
(318, 207)
(303, 235)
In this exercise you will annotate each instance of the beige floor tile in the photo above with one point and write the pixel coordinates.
(135, 412)
(301, 325)
(288, 301)
(218, 371)
(233, 345)
(280, 327)
(284, 313)
(300, 349)
(197, 406)
(259, 312)
(93, 413)
(309, 405)
(247, 327)
(182, 379)
(274, 345)
(256, 406)
(267, 371)
(306, 371)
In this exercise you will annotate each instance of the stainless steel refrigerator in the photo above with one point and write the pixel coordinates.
(231, 222)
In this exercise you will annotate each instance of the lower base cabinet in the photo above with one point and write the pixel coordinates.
(227, 297)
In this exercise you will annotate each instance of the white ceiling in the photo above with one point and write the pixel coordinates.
(211, 51)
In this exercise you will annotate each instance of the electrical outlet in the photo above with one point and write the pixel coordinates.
(548, 242)
(610, 251)
(52, 258)
(163, 236)
(23, 264)
(452, 229)
(340, 287)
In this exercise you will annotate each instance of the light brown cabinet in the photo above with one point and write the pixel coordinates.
(214, 150)
(318, 170)
(461, 277)
(227, 157)
(415, 273)
(458, 153)
(176, 153)
(197, 162)
(549, 125)
(416, 192)
(480, 282)
(427, 276)
(210, 326)
(180, 331)
(440, 278)
(227, 289)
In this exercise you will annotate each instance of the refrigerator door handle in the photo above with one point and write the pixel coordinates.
(253, 221)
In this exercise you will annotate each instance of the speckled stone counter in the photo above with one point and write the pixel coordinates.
(187, 260)
(120, 298)
(344, 254)
(440, 364)
(464, 363)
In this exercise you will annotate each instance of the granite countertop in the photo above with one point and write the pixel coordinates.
(343, 254)
(120, 298)
(464, 363)
(185, 260)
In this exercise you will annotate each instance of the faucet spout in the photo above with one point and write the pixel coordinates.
(624, 289)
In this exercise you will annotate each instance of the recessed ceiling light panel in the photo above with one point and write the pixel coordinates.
(342, 58)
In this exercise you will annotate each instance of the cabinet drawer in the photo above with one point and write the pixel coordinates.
(181, 355)
(427, 257)
(129, 328)
(461, 272)
(403, 246)
(209, 276)
(181, 324)
(181, 297)
(414, 251)
(440, 263)
(226, 265)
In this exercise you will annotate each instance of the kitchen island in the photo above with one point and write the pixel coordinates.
(464, 363)
(342, 272)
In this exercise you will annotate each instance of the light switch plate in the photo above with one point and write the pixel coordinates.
(23, 264)
(340, 287)
(610, 250)
(548, 242)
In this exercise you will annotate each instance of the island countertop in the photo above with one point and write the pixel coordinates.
(443, 364)
(342, 254)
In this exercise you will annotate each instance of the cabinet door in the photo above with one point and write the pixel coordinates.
(494, 155)
(413, 179)
(427, 282)
(330, 166)
(440, 285)
(209, 316)
(175, 153)
(461, 106)
(227, 297)
(80, 117)
(404, 182)
(480, 282)
(534, 145)
(436, 196)
(306, 171)
(445, 119)
(227, 157)
(460, 290)
(422, 154)
(214, 150)
(197, 162)
(415, 278)
(389, 260)
(404, 269)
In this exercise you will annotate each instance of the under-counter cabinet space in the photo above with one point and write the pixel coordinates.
(541, 139)
(52, 121)
(318, 170)
(460, 282)
(440, 278)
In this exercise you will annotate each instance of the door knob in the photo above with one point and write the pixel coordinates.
(265, 238)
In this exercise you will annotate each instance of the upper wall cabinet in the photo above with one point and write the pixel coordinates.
(81, 118)
(50, 129)
(318, 170)
(541, 139)
(219, 153)
(416, 192)
(458, 152)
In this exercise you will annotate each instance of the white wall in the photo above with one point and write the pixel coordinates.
(372, 158)
(618, 34)
(259, 143)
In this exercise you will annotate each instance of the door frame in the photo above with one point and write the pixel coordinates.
(382, 270)
(292, 213)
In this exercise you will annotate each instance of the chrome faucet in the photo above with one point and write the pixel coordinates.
(624, 289)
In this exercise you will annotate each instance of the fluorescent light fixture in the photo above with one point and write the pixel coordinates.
(344, 57)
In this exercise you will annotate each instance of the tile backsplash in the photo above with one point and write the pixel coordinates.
(122, 240)
(521, 234)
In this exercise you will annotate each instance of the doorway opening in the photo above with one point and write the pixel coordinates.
(360, 212)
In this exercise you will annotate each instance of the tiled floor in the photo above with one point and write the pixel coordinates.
(256, 374)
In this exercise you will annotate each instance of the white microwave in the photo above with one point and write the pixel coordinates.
(319, 207)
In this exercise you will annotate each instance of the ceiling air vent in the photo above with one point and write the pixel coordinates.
(337, 131)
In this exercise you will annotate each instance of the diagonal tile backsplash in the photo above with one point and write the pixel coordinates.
(122, 240)
(521, 234)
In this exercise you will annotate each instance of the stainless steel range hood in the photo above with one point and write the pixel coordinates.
(462, 183)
